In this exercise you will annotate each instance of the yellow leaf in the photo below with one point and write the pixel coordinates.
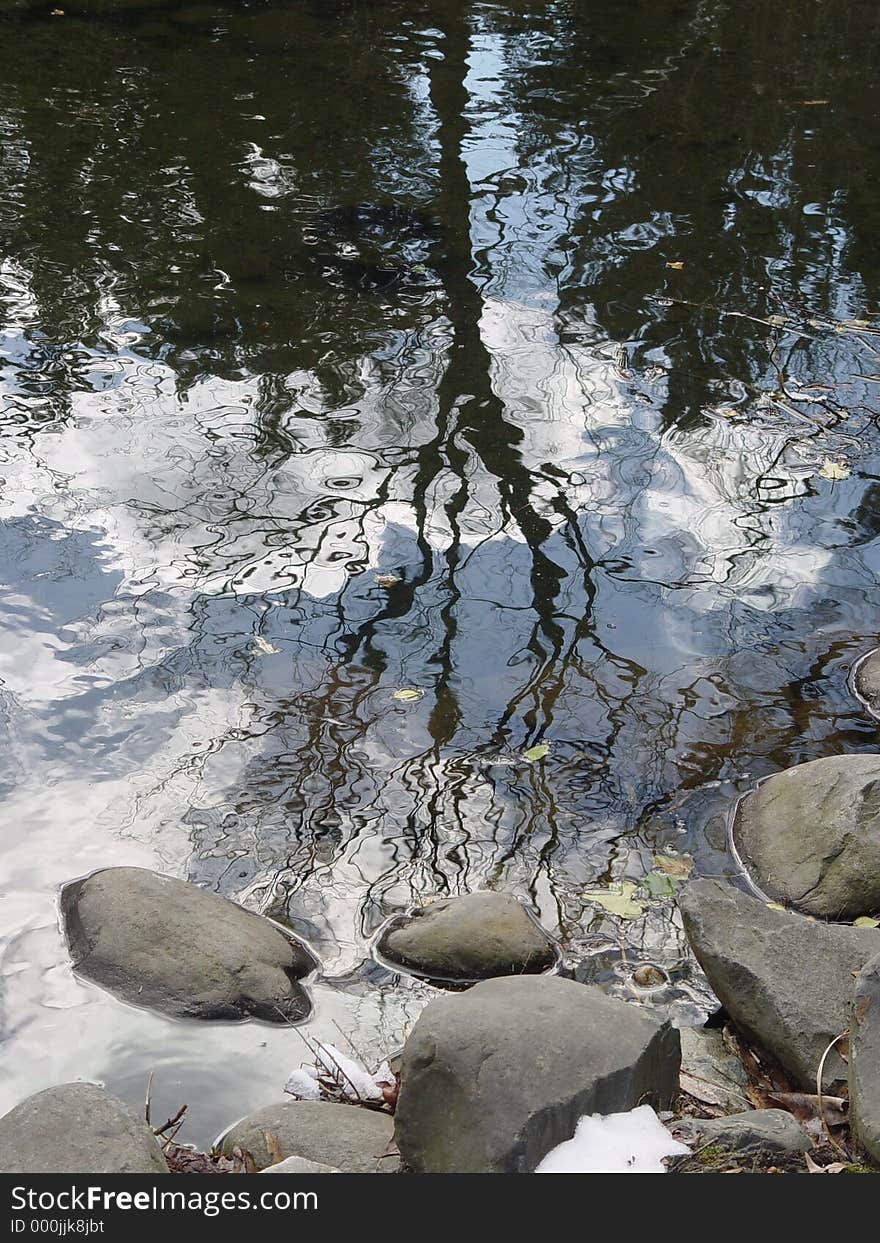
(618, 900)
(407, 694)
(834, 470)
(675, 264)
(535, 753)
(865, 921)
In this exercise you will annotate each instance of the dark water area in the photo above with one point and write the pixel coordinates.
(523, 356)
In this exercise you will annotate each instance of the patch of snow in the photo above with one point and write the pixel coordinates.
(303, 1085)
(351, 1077)
(625, 1143)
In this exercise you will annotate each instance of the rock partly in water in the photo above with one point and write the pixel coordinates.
(299, 1165)
(351, 1139)
(160, 942)
(77, 1128)
(471, 937)
(754, 1131)
(784, 979)
(810, 836)
(709, 1071)
(866, 680)
(494, 1078)
(864, 1060)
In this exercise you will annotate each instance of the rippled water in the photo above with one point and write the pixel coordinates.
(557, 314)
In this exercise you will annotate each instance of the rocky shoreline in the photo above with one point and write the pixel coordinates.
(502, 1066)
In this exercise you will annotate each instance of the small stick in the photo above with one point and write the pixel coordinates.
(820, 1105)
(147, 1101)
(171, 1121)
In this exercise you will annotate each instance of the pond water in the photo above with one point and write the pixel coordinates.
(524, 356)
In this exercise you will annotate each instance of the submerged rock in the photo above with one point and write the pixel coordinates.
(494, 1078)
(864, 1063)
(351, 1139)
(163, 943)
(866, 680)
(751, 1132)
(784, 979)
(811, 836)
(77, 1128)
(468, 938)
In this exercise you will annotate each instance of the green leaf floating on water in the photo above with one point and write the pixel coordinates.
(407, 694)
(865, 921)
(618, 900)
(536, 753)
(659, 885)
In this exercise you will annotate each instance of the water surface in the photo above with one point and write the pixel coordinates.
(502, 353)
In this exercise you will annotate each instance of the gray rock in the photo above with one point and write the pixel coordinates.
(77, 1128)
(350, 1138)
(866, 680)
(754, 1131)
(709, 1071)
(495, 1077)
(811, 836)
(468, 938)
(864, 1060)
(299, 1165)
(784, 979)
(162, 943)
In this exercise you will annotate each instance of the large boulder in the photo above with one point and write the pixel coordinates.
(77, 1128)
(784, 979)
(162, 943)
(811, 836)
(468, 938)
(752, 1132)
(348, 1138)
(493, 1078)
(864, 1060)
(866, 680)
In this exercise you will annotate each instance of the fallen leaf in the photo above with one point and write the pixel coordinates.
(658, 885)
(813, 103)
(407, 695)
(805, 1105)
(675, 264)
(388, 580)
(834, 470)
(679, 867)
(618, 900)
(865, 921)
(536, 753)
(263, 645)
(774, 906)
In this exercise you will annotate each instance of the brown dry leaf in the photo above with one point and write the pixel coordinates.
(806, 1105)
(679, 867)
(675, 264)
